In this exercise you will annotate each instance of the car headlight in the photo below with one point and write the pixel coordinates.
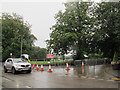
(17, 65)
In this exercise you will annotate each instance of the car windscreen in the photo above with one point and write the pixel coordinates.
(19, 60)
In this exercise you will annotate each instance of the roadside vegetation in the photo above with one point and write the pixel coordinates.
(87, 28)
(17, 32)
(51, 61)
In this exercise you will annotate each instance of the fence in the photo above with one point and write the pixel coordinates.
(93, 61)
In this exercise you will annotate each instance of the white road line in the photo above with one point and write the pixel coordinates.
(100, 79)
(83, 77)
(91, 78)
(110, 80)
(28, 87)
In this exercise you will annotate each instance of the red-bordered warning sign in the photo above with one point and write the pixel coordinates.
(50, 55)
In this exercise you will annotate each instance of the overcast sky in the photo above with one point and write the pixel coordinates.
(39, 14)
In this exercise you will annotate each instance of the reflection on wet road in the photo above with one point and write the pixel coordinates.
(76, 77)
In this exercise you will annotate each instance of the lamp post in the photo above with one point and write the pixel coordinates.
(21, 48)
(21, 37)
(11, 55)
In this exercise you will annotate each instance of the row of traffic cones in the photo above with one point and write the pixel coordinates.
(50, 70)
(68, 66)
(37, 68)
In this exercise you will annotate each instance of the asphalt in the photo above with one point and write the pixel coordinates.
(75, 78)
(114, 74)
(92, 77)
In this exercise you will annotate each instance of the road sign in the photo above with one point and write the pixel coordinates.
(50, 55)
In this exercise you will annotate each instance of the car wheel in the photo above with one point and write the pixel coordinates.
(5, 70)
(29, 71)
(13, 70)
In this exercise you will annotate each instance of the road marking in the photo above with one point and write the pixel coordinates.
(96, 76)
(83, 77)
(28, 87)
(100, 79)
(17, 85)
(91, 78)
(110, 80)
(116, 78)
(7, 78)
(113, 77)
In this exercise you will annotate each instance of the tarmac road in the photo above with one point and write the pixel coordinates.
(90, 77)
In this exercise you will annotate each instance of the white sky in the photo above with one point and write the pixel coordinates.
(39, 13)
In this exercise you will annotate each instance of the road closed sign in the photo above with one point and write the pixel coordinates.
(50, 55)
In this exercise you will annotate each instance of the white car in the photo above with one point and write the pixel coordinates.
(17, 64)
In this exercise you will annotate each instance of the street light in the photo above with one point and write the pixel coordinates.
(11, 55)
(21, 47)
(21, 36)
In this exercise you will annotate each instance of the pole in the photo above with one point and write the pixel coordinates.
(21, 47)
(21, 36)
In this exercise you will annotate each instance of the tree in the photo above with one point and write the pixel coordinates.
(38, 53)
(14, 29)
(108, 17)
(0, 40)
(72, 29)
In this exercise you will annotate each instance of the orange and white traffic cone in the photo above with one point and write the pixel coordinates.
(33, 67)
(42, 67)
(50, 67)
(67, 66)
(82, 65)
(37, 68)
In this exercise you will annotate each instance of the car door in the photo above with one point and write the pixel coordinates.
(9, 64)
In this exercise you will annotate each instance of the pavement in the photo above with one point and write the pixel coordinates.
(114, 74)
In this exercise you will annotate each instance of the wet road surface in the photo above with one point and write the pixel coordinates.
(76, 77)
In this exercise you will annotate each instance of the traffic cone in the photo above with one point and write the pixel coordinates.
(42, 67)
(67, 66)
(37, 68)
(50, 67)
(33, 67)
(82, 65)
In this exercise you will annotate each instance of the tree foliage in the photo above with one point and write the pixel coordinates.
(38, 53)
(71, 30)
(87, 27)
(13, 30)
(108, 17)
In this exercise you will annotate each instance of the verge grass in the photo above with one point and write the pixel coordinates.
(52, 62)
